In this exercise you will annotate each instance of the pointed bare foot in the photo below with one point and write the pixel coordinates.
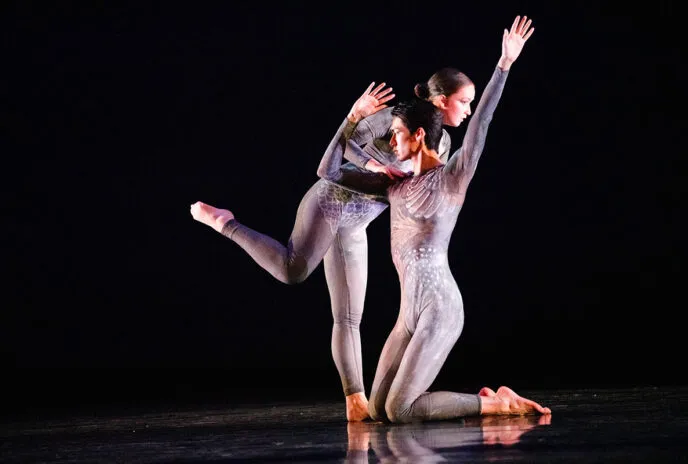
(506, 401)
(210, 216)
(356, 407)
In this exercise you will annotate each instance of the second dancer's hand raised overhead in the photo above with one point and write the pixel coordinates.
(513, 41)
(372, 101)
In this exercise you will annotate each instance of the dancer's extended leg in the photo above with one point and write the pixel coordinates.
(313, 231)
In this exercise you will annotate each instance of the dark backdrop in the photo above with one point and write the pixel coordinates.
(569, 251)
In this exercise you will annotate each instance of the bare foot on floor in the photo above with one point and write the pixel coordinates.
(356, 407)
(210, 216)
(506, 401)
(516, 404)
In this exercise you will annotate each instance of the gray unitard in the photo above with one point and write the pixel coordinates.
(331, 222)
(423, 213)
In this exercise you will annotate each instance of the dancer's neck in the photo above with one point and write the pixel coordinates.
(425, 160)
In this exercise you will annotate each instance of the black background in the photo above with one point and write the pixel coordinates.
(569, 251)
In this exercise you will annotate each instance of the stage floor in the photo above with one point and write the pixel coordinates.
(587, 425)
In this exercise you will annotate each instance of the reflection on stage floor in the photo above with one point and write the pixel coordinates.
(588, 425)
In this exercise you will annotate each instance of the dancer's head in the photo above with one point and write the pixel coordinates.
(415, 124)
(451, 91)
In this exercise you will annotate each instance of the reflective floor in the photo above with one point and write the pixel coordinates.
(587, 425)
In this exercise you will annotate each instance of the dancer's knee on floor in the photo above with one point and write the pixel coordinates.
(376, 409)
(397, 412)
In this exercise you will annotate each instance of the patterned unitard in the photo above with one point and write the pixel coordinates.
(331, 223)
(423, 213)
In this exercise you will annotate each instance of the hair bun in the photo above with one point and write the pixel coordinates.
(422, 91)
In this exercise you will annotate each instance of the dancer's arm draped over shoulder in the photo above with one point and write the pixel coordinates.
(331, 168)
(464, 161)
(370, 103)
(377, 118)
(368, 129)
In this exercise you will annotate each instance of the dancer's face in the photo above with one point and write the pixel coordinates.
(404, 144)
(457, 106)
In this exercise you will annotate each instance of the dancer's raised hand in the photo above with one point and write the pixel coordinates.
(513, 40)
(372, 101)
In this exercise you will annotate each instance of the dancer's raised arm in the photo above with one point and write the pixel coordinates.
(374, 119)
(369, 103)
(464, 161)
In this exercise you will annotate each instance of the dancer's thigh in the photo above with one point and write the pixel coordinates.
(427, 350)
(315, 226)
(387, 368)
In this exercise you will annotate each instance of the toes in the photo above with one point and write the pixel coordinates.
(486, 391)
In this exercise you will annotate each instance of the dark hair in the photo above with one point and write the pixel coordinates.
(446, 81)
(421, 113)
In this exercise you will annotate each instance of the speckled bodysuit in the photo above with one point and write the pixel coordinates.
(331, 223)
(423, 212)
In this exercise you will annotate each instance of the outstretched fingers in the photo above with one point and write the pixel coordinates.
(527, 36)
(371, 101)
(378, 88)
(524, 28)
(514, 25)
(367, 91)
(386, 99)
(521, 26)
(382, 96)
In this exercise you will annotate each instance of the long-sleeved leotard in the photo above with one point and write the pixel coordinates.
(423, 214)
(331, 223)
